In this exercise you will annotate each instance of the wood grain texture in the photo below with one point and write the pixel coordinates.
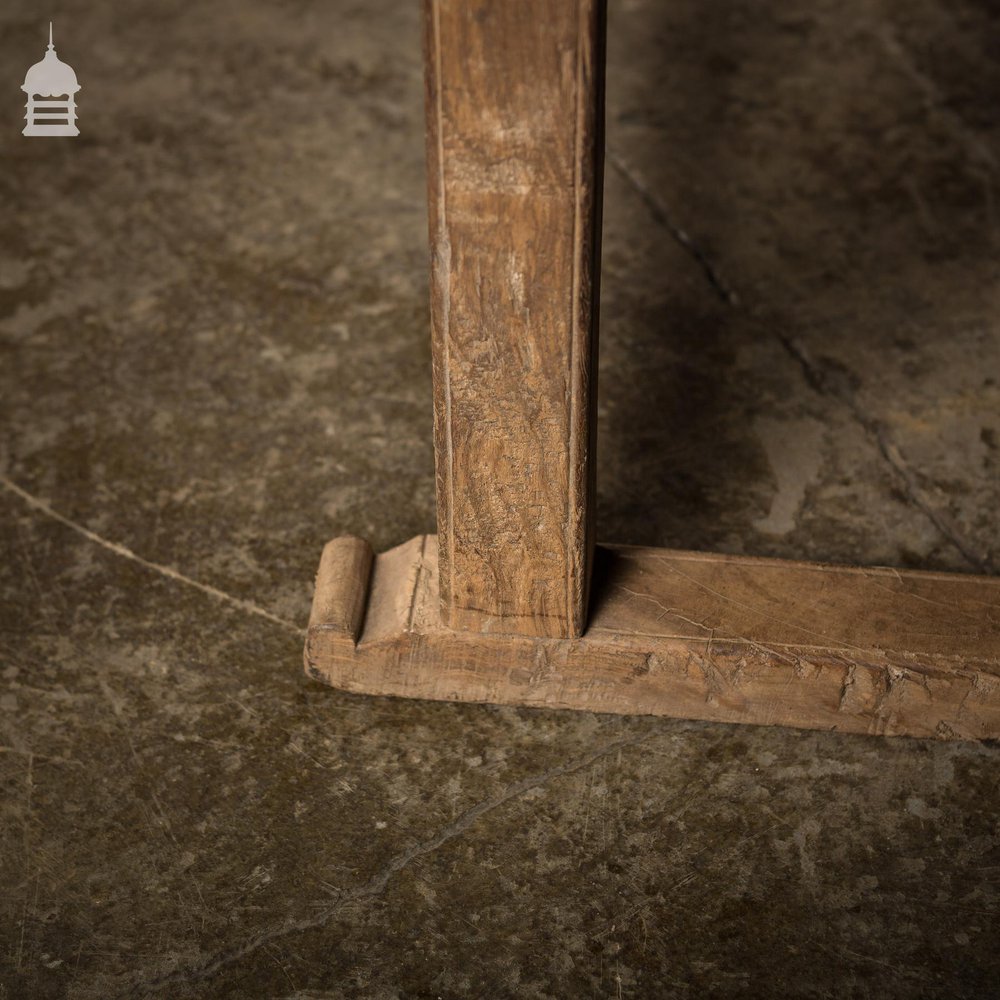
(341, 593)
(698, 636)
(514, 144)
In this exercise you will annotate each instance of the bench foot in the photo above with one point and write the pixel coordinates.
(682, 634)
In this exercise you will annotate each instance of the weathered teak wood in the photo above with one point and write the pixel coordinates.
(496, 615)
(514, 142)
(685, 634)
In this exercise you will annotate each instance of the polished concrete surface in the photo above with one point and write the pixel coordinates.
(214, 336)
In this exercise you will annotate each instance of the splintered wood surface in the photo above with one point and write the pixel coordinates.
(690, 635)
(514, 146)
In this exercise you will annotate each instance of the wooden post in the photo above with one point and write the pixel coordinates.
(514, 149)
(494, 608)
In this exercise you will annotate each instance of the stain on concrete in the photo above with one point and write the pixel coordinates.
(795, 453)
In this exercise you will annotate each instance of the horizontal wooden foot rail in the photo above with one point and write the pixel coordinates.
(691, 635)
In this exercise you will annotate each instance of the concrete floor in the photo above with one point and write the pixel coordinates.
(214, 329)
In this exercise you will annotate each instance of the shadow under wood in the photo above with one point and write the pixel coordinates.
(835, 168)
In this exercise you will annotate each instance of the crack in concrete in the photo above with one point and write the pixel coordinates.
(934, 101)
(660, 214)
(825, 381)
(215, 964)
(42, 507)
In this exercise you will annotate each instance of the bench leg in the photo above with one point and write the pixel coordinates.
(511, 602)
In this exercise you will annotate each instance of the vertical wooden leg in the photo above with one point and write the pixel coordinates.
(514, 142)
(493, 609)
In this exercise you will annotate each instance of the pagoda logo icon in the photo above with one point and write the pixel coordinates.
(51, 86)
